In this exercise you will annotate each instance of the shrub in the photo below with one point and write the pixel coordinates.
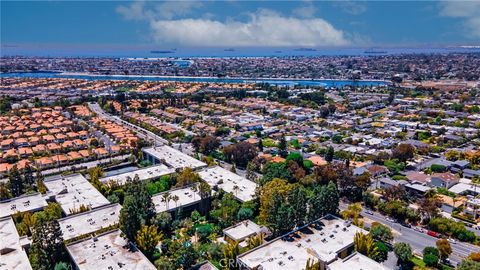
(430, 260)
(438, 168)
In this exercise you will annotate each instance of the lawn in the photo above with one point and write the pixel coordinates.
(418, 262)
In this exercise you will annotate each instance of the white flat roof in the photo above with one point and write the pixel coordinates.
(25, 203)
(291, 251)
(228, 180)
(143, 174)
(74, 190)
(173, 157)
(243, 230)
(15, 260)
(356, 261)
(107, 251)
(90, 221)
(462, 187)
(8, 234)
(12, 255)
(186, 197)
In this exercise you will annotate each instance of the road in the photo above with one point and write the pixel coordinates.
(87, 165)
(141, 132)
(419, 240)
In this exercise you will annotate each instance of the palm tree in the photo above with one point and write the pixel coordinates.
(255, 240)
(312, 265)
(194, 189)
(166, 198)
(230, 253)
(365, 245)
(353, 212)
(236, 189)
(175, 198)
(204, 190)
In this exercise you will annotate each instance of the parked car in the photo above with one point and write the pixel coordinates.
(453, 241)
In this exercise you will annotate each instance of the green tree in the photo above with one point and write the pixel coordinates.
(5, 105)
(240, 153)
(15, 182)
(4, 192)
(230, 253)
(282, 147)
(273, 170)
(225, 210)
(163, 220)
(403, 152)
(47, 246)
(147, 239)
(39, 182)
(430, 256)
(297, 201)
(353, 213)
(468, 265)
(205, 144)
(137, 210)
(204, 190)
(187, 177)
(250, 173)
(130, 217)
(329, 155)
(430, 260)
(260, 144)
(381, 232)
(332, 199)
(365, 245)
(382, 252)
(255, 240)
(282, 205)
(312, 265)
(28, 178)
(444, 248)
(404, 253)
(297, 157)
(244, 213)
(62, 266)
(317, 203)
(184, 255)
(337, 138)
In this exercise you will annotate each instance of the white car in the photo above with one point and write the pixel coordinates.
(453, 241)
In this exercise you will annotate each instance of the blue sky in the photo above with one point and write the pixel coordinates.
(240, 23)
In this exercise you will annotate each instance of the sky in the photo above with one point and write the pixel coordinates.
(231, 24)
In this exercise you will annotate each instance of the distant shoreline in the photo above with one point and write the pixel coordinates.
(215, 78)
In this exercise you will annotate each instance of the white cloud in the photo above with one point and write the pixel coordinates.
(170, 9)
(467, 10)
(263, 29)
(138, 10)
(135, 11)
(306, 11)
(352, 7)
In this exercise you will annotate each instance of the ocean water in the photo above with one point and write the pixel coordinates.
(321, 83)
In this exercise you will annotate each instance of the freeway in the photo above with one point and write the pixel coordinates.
(419, 240)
